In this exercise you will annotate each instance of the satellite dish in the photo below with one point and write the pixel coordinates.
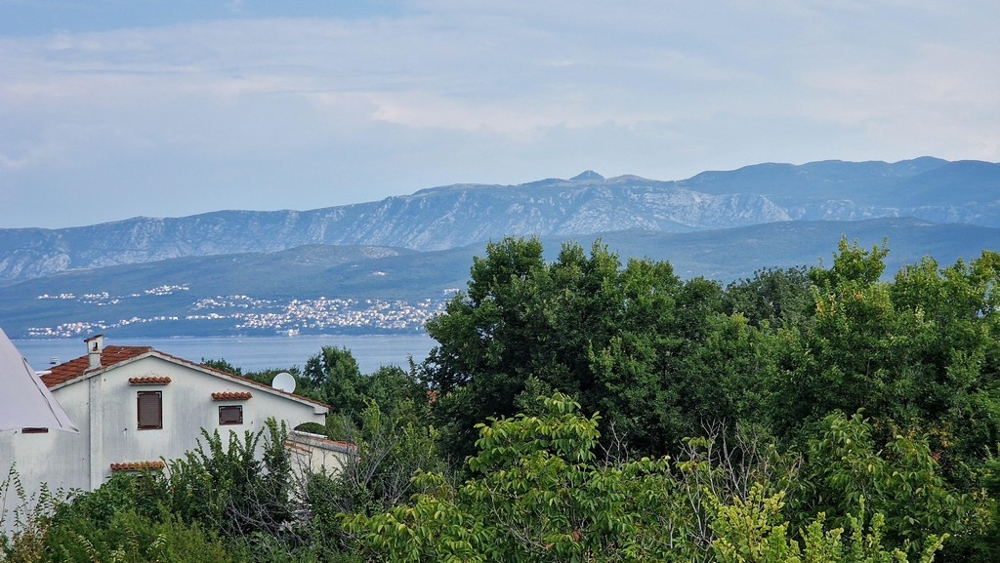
(284, 382)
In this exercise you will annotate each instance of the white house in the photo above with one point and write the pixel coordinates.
(135, 406)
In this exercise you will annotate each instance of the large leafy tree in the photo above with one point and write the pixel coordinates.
(609, 335)
(917, 354)
(333, 375)
(920, 351)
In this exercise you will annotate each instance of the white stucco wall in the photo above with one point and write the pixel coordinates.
(58, 459)
(187, 408)
(313, 453)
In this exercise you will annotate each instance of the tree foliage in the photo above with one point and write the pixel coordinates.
(541, 495)
(609, 336)
(836, 413)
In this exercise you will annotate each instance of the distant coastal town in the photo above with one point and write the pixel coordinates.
(244, 313)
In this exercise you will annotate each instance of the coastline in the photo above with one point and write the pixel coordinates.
(251, 353)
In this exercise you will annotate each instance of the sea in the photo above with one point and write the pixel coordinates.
(255, 353)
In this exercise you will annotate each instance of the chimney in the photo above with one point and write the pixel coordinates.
(95, 344)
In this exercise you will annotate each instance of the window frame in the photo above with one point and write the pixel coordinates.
(230, 408)
(144, 422)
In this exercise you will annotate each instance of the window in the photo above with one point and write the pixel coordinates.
(231, 414)
(150, 409)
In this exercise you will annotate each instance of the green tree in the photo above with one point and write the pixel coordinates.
(901, 481)
(610, 336)
(540, 494)
(951, 357)
(729, 372)
(239, 486)
(389, 448)
(778, 297)
(333, 376)
(918, 356)
(920, 351)
(540, 497)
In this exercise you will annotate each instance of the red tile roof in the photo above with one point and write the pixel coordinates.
(137, 465)
(149, 380)
(248, 381)
(112, 355)
(73, 369)
(299, 436)
(231, 396)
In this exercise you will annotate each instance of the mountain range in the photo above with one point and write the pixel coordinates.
(419, 247)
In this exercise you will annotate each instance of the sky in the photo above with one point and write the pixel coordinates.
(111, 109)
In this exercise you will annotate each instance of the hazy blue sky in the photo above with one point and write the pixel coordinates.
(117, 108)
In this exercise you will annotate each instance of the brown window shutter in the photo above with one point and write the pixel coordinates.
(150, 408)
(232, 414)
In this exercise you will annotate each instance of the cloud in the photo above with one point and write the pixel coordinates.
(310, 111)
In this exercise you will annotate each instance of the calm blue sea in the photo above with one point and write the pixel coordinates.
(251, 353)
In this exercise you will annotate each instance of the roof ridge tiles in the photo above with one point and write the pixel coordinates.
(114, 354)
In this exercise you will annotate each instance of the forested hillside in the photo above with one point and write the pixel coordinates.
(585, 409)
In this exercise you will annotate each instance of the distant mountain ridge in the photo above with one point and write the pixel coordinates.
(964, 192)
(317, 289)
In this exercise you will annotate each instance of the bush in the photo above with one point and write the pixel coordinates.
(132, 537)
